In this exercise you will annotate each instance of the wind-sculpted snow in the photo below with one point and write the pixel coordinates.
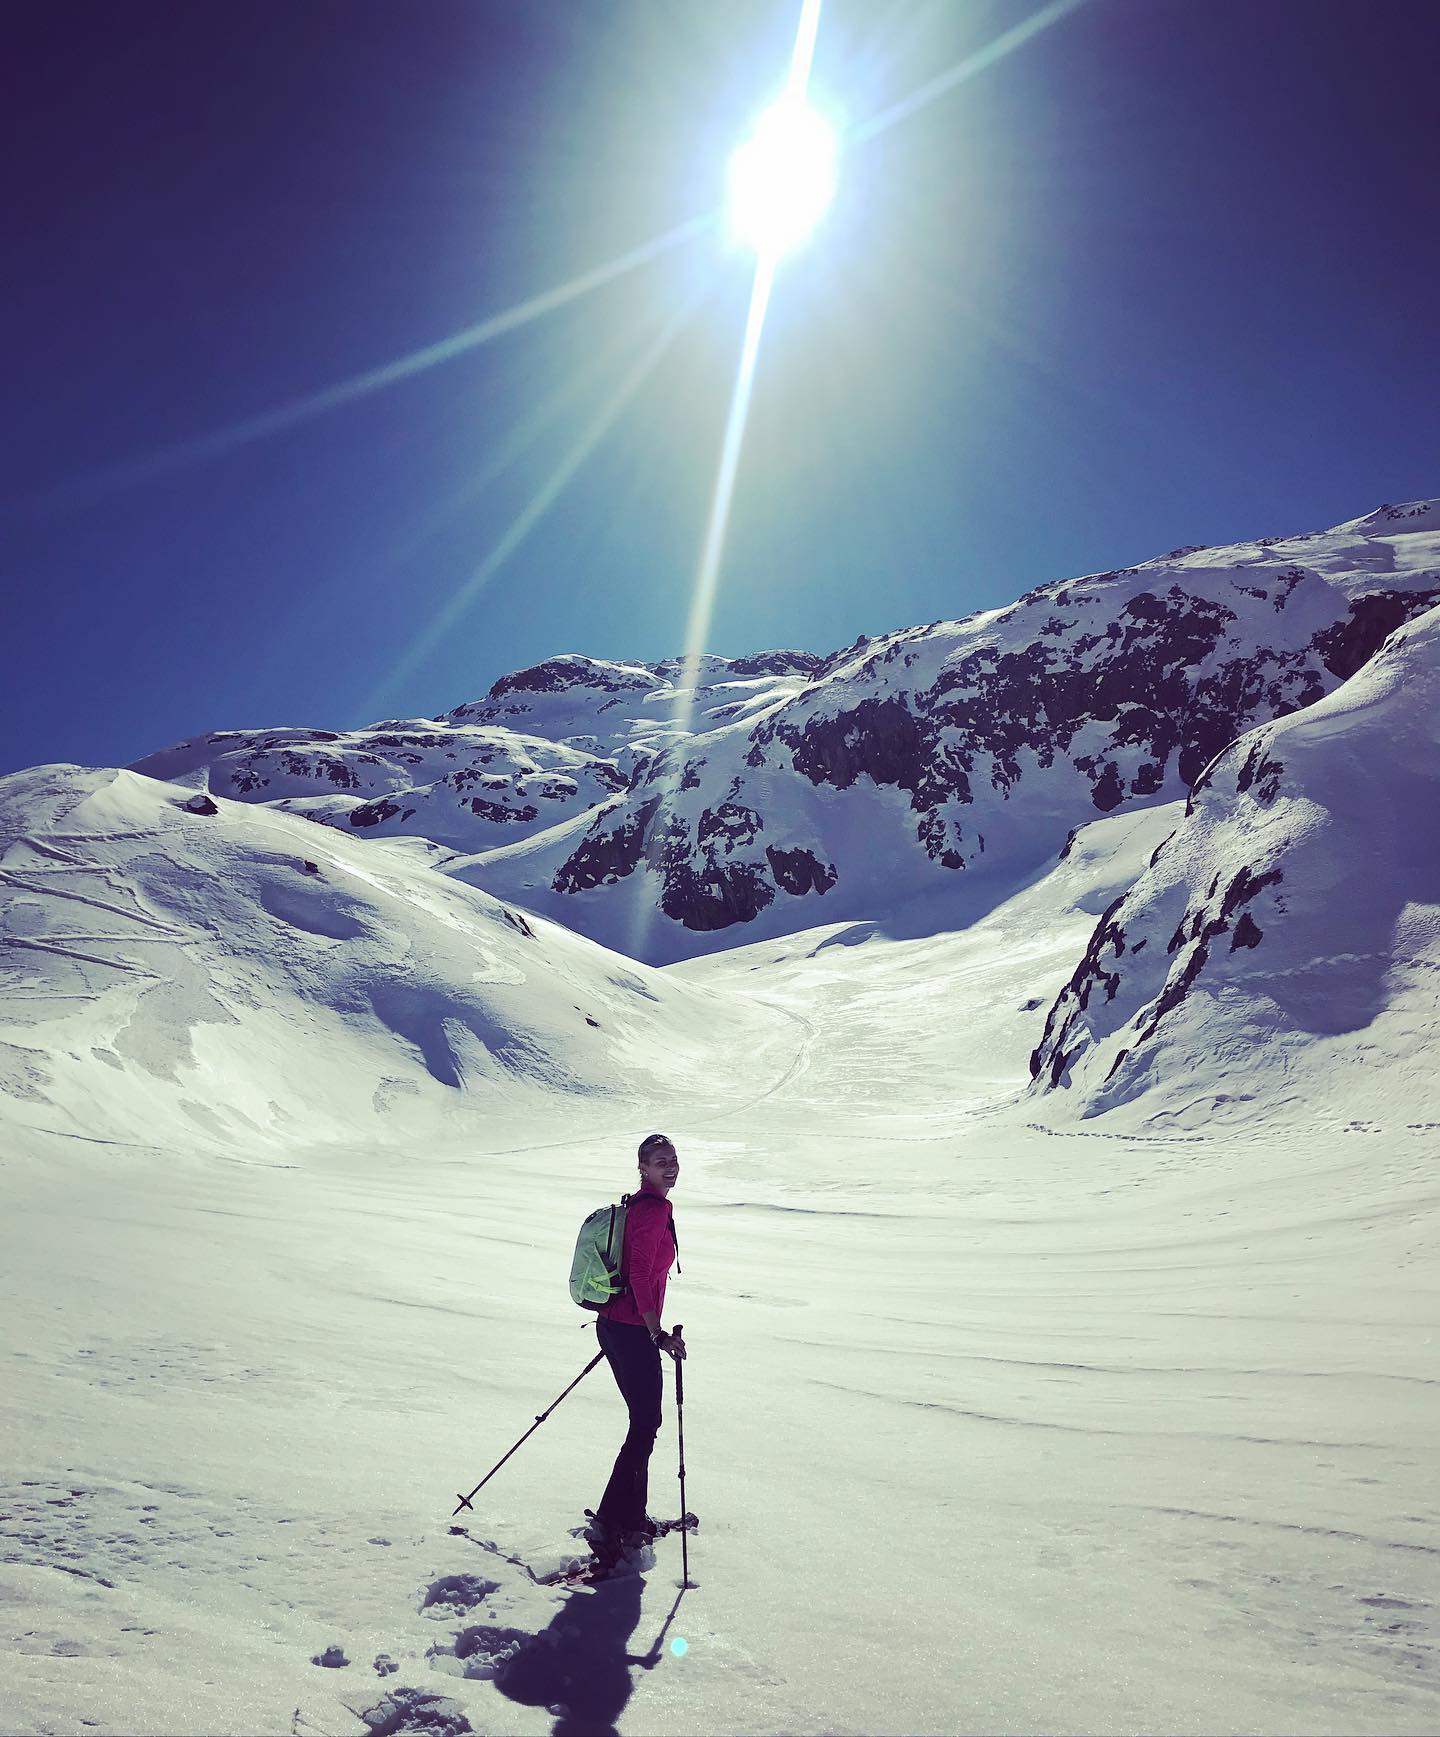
(189, 970)
(981, 743)
(1290, 925)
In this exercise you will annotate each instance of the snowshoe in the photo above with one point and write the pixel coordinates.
(607, 1543)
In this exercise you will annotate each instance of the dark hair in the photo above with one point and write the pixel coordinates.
(652, 1140)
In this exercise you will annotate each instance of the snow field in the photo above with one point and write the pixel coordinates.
(992, 1423)
(1041, 1446)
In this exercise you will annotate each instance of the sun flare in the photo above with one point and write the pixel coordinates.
(782, 177)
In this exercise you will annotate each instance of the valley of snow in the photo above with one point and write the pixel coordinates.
(1057, 1232)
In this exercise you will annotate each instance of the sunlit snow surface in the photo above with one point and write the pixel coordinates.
(993, 1422)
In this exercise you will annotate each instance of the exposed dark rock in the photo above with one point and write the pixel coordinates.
(1246, 933)
(1244, 888)
(716, 896)
(501, 815)
(607, 853)
(1196, 930)
(800, 871)
(373, 813)
(200, 804)
(1204, 927)
(1108, 792)
(879, 737)
(776, 663)
(1076, 993)
(558, 673)
(1350, 644)
(1260, 771)
(730, 822)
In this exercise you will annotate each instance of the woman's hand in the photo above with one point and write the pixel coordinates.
(673, 1344)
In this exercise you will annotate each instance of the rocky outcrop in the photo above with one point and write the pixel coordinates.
(1010, 727)
(1351, 643)
(1299, 897)
(454, 784)
(753, 786)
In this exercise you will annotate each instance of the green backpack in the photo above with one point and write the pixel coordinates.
(595, 1275)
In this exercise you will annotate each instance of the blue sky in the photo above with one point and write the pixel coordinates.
(1166, 274)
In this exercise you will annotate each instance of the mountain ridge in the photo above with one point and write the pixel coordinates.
(707, 791)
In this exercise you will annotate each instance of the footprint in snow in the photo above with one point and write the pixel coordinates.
(418, 1710)
(454, 1594)
(481, 1650)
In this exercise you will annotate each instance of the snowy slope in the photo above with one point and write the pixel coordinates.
(970, 749)
(1287, 936)
(547, 743)
(405, 777)
(1115, 1424)
(1131, 1429)
(629, 710)
(660, 809)
(234, 974)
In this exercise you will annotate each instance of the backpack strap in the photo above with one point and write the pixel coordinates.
(610, 1234)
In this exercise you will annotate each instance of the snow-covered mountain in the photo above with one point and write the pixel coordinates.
(183, 968)
(1289, 926)
(297, 1127)
(546, 744)
(168, 918)
(406, 777)
(666, 811)
(963, 750)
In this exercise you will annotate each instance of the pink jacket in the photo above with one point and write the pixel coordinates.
(649, 1251)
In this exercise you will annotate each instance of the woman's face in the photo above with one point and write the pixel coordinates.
(661, 1165)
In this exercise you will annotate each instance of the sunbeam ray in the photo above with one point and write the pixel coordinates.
(702, 603)
(563, 402)
(112, 478)
(1006, 43)
(534, 511)
(707, 577)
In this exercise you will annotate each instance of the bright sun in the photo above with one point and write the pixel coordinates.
(782, 177)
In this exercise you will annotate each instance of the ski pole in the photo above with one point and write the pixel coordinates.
(465, 1500)
(680, 1426)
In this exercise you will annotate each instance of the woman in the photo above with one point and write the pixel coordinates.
(628, 1328)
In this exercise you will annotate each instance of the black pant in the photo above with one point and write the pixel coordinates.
(635, 1363)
